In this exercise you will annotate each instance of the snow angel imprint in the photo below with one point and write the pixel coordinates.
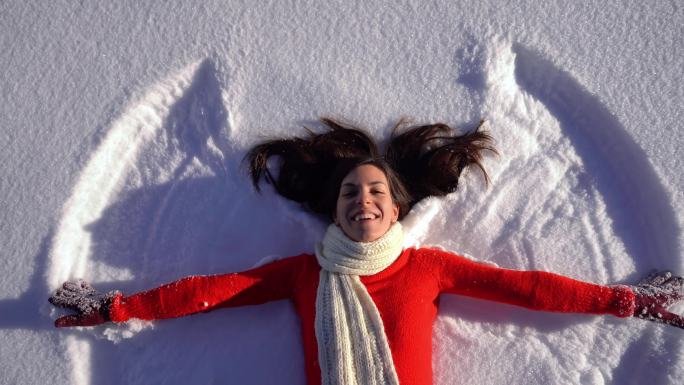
(367, 305)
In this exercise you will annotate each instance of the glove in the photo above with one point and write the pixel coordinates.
(654, 294)
(92, 307)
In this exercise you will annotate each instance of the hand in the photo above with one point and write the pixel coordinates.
(654, 294)
(91, 306)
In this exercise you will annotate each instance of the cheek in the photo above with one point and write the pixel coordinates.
(339, 212)
(391, 210)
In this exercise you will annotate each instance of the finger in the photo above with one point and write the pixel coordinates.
(67, 321)
(77, 286)
(672, 290)
(64, 293)
(674, 283)
(90, 319)
(71, 285)
(68, 294)
(60, 300)
(672, 319)
(660, 277)
(648, 279)
(64, 299)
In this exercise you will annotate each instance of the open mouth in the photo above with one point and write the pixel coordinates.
(363, 217)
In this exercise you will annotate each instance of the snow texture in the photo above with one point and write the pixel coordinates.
(125, 125)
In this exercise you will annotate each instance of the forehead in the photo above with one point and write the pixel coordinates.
(363, 174)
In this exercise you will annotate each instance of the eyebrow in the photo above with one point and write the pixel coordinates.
(349, 184)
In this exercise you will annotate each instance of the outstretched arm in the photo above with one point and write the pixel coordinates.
(649, 299)
(189, 295)
(536, 290)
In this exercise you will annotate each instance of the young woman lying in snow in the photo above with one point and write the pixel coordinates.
(367, 306)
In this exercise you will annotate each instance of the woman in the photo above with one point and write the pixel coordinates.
(367, 306)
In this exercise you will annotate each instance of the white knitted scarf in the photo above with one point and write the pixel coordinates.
(352, 345)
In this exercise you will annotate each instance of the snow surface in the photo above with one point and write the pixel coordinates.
(125, 124)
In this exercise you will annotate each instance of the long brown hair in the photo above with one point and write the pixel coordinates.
(420, 161)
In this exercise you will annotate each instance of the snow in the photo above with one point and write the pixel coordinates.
(125, 125)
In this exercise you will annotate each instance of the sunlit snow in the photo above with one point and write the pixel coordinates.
(125, 125)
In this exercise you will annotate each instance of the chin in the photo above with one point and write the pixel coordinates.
(368, 238)
(364, 235)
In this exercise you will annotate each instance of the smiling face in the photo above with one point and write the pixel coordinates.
(365, 209)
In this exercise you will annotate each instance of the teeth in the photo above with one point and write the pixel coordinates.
(363, 216)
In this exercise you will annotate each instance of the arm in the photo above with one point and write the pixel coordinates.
(536, 290)
(271, 282)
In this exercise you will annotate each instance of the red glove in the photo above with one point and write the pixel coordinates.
(654, 294)
(92, 307)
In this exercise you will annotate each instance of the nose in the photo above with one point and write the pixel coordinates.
(363, 197)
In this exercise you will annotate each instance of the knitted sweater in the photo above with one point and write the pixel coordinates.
(406, 295)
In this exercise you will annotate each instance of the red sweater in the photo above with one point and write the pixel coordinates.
(406, 295)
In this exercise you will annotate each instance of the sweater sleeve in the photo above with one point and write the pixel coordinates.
(536, 290)
(270, 282)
